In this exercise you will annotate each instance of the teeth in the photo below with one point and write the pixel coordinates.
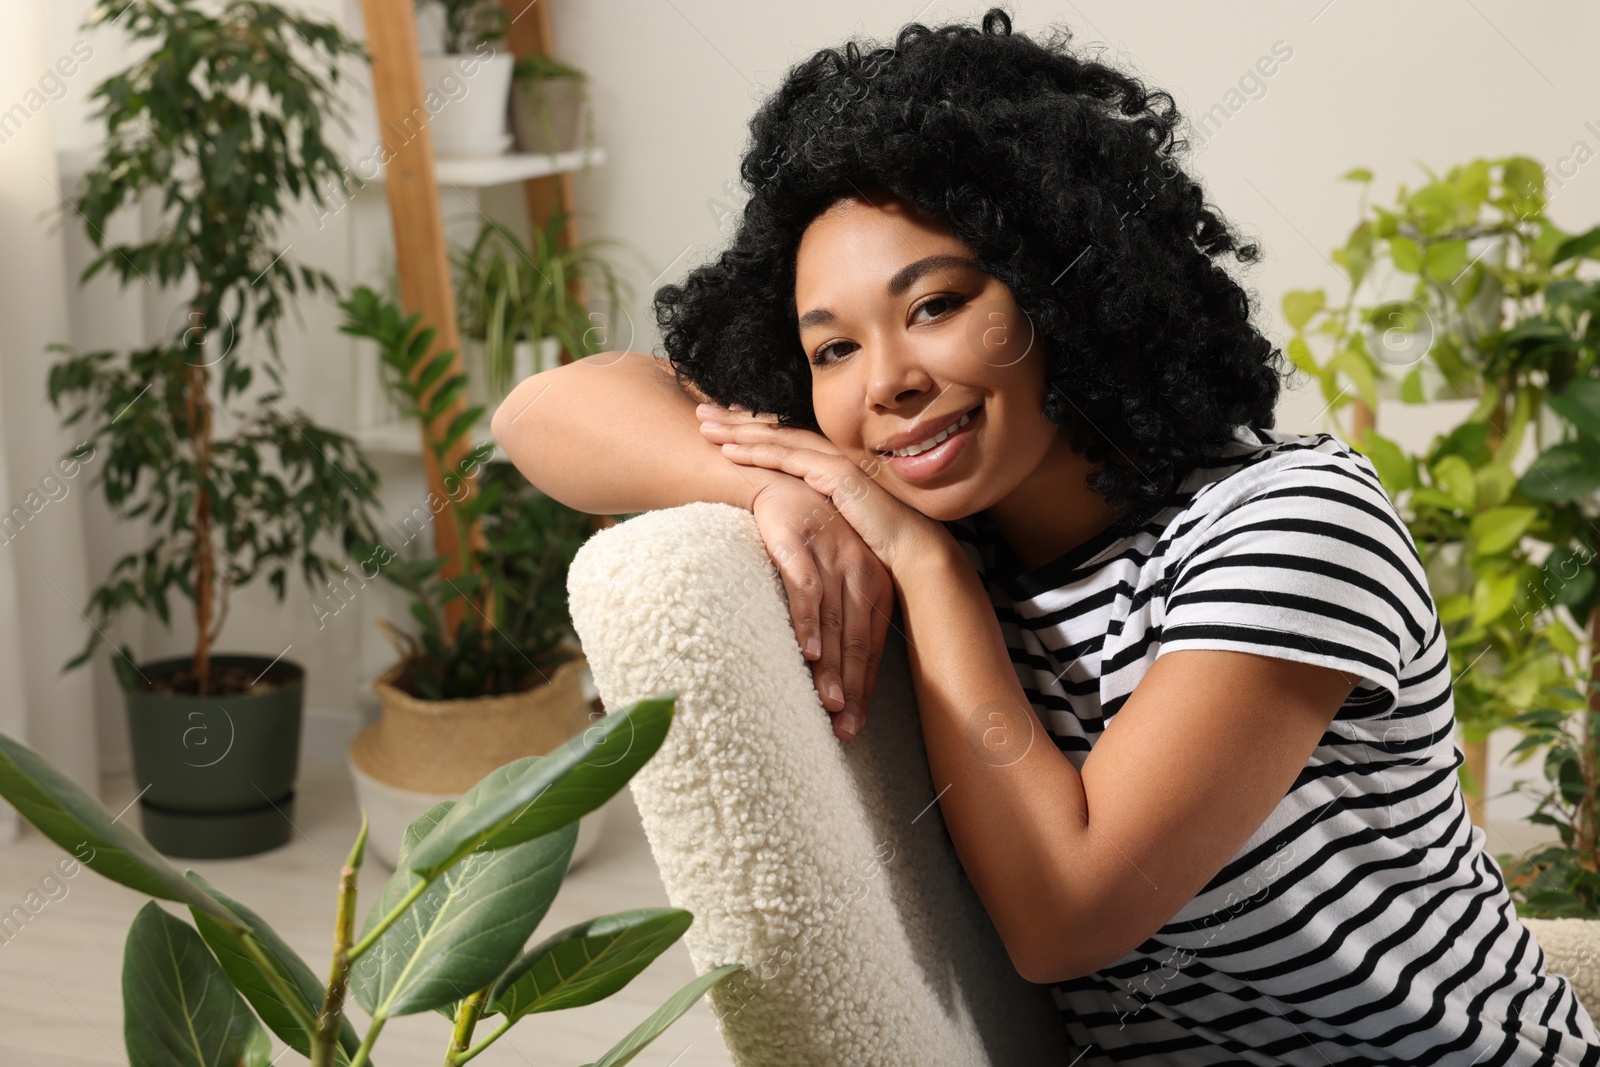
(912, 450)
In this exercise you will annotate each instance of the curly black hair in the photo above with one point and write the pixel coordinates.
(1058, 173)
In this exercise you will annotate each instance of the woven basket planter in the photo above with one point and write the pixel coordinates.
(424, 751)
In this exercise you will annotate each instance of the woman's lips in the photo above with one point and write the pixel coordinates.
(927, 465)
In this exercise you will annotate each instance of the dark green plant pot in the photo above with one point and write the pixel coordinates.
(217, 773)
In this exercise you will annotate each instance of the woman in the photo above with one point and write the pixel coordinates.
(1185, 693)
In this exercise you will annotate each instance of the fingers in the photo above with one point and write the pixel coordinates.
(882, 612)
(827, 670)
(798, 568)
(856, 647)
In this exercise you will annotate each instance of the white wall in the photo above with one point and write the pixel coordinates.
(1387, 87)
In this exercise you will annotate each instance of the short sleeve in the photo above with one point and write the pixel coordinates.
(1307, 562)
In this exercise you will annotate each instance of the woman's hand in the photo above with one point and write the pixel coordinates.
(840, 596)
(895, 531)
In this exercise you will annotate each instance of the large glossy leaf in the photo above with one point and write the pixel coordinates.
(178, 1007)
(586, 962)
(663, 1017)
(247, 978)
(1498, 529)
(1563, 472)
(535, 795)
(463, 930)
(61, 810)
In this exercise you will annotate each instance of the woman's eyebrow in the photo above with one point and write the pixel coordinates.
(902, 280)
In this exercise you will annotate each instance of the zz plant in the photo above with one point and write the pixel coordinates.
(516, 544)
(446, 933)
(224, 119)
(1497, 315)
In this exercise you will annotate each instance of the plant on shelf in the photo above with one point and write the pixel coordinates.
(549, 104)
(472, 77)
(1496, 314)
(448, 932)
(469, 23)
(508, 293)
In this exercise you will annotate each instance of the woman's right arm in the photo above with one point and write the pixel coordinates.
(614, 433)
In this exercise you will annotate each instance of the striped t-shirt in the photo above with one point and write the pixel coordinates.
(1363, 922)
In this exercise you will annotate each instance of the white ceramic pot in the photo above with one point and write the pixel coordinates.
(467, 97)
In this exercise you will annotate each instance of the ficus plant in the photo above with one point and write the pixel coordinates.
(223, 119)
(447, 932)
(1497, 315)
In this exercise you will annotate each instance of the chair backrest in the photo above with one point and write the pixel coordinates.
(823, 866)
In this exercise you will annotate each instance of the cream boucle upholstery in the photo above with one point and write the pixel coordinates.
(824, 867)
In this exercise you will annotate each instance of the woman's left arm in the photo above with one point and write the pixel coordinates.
(1075, 869)
(1078, 869)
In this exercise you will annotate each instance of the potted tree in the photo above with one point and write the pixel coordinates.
(225, 121)
(508, 683)
(519, 304)
(1496, 314)
(471, 79)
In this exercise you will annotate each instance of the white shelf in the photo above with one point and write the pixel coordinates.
(482, 171)
(404, 438)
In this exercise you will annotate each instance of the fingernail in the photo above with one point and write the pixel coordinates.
(835, 692)
(737, 407)
(813, 646)
(849, 723)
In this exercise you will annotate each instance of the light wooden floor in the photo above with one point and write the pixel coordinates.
(60, 977)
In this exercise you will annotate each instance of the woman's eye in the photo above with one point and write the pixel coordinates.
(938, 303)
(821, 357)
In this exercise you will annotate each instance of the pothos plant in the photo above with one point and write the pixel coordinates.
(1496, 315)
(224, 118)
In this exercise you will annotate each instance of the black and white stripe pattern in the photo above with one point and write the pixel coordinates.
(1363, 922)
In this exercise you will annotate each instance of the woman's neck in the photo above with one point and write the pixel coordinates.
(1053, 510)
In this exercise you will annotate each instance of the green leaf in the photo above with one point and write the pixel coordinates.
(1445, 259)
(586, 962)
(1563, 472)
(463, 930)
(1495, 482)
(60, 809)
(1586, 244)
(1406, 255)
(1492, 596)
(1300, 355)
(1356, 174)
(1456, 477)
(178, 1008)
(537, 794)
(1411, 391)
(263, 995)
(1395, 469)
(663, 1017)
(1299, 305)
(1500, 528)
(1579, 404)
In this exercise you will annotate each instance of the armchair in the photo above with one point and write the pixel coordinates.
(825, 867)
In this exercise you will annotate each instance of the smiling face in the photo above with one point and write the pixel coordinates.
(906, 336)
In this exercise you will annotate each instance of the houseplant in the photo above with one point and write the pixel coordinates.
(471, 79)
(550, 108)
(517, 301)
(1511, 327)
(507, 682)
(224, 120)
(446, 933)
